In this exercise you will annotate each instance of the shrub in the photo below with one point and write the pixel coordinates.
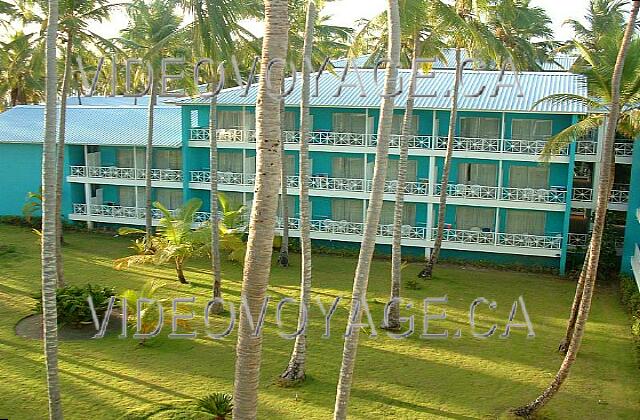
(72, 305)
(631, 299)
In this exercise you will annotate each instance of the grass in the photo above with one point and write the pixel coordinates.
(463, 378)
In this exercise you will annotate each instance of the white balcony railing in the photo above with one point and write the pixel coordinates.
(578, 240)
(529, 241)
(586, 147)
(619, 195)
(483, 192)
(114, 211)
(331, 138)
(624, 148)
(500, 239)
(466, 236)
(113, 172)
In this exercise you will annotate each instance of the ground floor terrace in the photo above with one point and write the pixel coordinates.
(461, 378)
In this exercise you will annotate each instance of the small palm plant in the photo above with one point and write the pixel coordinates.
(175, 240)
(218, 405)
(148, 315)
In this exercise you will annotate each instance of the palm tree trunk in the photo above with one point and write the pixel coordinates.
(575, 306)
(60, 158)
(213, 197)
(396, 244)
(295, 371)
(283, 258)
(180, 272)
(148, 216)
(446, 170)
(374, 209)
(602, 203)
(49, 216)
(262, 225)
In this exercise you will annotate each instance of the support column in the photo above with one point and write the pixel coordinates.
(567, 212)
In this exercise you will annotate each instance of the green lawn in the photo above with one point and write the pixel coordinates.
(463, 378)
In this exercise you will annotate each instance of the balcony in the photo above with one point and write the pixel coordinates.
(123, 214)
(482, 192)
(619, 195)
(420, 142)
(623, 148)
(129, 174)
(517, 240)
(317, 183)
(344, 227)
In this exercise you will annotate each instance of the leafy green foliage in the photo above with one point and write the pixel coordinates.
(219, 405)
(149, 313)
(72, 305)
(215, 406)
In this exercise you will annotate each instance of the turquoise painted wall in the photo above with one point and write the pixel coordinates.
(632, 230)
(20, 171)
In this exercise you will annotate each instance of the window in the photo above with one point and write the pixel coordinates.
(168, 159)
(291, 203)
(412, 170)
(529, 177)
(350, 123)
(397, 124)
(289, 121)
(230, 120)
(345, 167)
(230, 162)
(531, 129)
(124, 158)
(475, 127)
(290, 164)
(194, 118)
(408, 213)
(477, 174)
(475, 218)
(127, 196)
(346, 209)
(528, 222)
(171, 199)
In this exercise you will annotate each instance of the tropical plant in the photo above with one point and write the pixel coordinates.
(21, 68)
(603, 18)
(589, 273)
(469, 32)
(295, 371)
(175, 240)
(374, 210)
(32, 206)
(216, 406)
(149, 316)
(524, 30)
(49, 216)
(73, 307)
(257, 265)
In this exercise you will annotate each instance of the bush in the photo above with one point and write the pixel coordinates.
(631, 299)
(72, 304)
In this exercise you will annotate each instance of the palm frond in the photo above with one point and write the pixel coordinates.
(578, 130)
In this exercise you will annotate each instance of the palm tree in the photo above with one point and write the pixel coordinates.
(217, 32)
(473, 35)
(524, 31)
(593, 255)
(175, 241)
(153, 31)
(49, 216)
(257, 266)
(603, 17)
(283, 257)
(75, 18)
(374, 209)
(598, 67)
(295, 371)
(21, 60)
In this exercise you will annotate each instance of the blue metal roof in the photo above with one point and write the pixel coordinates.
(535, 86)
(117, 100)
(94, 125)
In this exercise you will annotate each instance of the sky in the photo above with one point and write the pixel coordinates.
(347, 12)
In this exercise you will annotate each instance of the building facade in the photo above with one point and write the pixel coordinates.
(504, 204)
